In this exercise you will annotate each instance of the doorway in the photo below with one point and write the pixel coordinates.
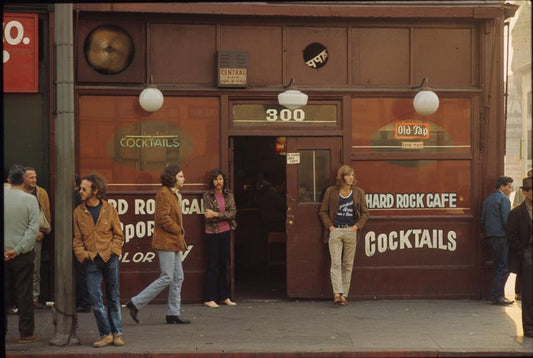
(259, 186)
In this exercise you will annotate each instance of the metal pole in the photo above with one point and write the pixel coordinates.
(64, 308)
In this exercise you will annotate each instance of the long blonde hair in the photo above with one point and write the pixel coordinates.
(344, 170)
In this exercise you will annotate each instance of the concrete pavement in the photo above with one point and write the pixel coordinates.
(300, 328)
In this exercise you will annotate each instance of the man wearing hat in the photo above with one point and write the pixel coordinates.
(520, 236)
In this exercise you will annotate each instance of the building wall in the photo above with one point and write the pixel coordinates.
(372, 64)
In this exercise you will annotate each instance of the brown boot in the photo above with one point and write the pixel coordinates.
(103, 341)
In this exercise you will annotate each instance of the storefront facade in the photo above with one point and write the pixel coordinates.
(424, 176)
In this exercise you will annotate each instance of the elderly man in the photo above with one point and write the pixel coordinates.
(496, 208)
(520, 237)
(21, 225)
(30, 186)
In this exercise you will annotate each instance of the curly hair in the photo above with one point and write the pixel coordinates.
(344, 170)
(168, 177)
(97, 183)
(214, 174)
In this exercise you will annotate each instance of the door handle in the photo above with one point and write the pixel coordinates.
(290, 219)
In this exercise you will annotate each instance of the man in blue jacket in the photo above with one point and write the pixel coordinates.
(494, 214)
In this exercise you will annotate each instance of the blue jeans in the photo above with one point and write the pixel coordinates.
(171, 274)
(499, 247)
(108, 321)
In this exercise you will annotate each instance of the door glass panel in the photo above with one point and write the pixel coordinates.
(313, 175)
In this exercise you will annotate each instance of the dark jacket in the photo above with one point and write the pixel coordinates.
(494, 213)
(210, 202)
(168, 228)
(518, 234)
(330, 204)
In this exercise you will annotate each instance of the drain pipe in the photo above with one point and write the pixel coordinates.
(64, 307)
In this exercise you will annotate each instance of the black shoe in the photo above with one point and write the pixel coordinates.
(81, 309)
(133, 311)
(176, 320)
(502, 301)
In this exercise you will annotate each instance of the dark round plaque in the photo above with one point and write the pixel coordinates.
(316, 55)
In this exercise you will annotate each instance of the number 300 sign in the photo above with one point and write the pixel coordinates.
(285, 115)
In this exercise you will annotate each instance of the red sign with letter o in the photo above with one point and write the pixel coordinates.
(21, 45)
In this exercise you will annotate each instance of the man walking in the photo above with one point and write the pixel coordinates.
(494, 214)
(30, 186)
(97, 243)
(520, 238)
(21, 225)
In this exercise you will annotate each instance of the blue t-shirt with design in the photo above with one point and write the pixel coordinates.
(345, 214)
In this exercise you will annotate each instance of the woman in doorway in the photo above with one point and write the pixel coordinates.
(219, 214)
(343, 212)
(169, 243)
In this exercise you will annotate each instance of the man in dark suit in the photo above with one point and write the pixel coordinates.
(520, 236)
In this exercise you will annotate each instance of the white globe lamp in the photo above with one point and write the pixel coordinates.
(292, 98)
(151, 99)
(426, 102)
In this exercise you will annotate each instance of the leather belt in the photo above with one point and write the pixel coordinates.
(342, 226)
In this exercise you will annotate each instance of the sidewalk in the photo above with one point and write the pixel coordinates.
(306, 328)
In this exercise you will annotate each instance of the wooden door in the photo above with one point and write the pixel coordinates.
(312, 164)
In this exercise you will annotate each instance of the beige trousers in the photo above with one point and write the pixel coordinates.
(342, 244)
(37, 269)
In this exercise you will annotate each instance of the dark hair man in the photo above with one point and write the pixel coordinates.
(494, 214)
(168, 241)
(97, 243)
(21, 225)
(520, 237)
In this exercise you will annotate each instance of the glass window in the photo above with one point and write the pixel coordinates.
(313, 175)
(130, 147)
(383, 125)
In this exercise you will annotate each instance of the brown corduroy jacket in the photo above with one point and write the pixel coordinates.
(330, 204)
(168, 228)
(103, 238)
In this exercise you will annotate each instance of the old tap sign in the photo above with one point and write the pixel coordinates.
(20, 40)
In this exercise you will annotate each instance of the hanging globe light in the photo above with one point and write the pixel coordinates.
(426, 101)
(151, 99)
(292, 98)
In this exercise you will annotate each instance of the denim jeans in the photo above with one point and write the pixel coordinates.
(171, 274)
(108, 321)
(342, 244)
(499, 247)
(218, 262)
